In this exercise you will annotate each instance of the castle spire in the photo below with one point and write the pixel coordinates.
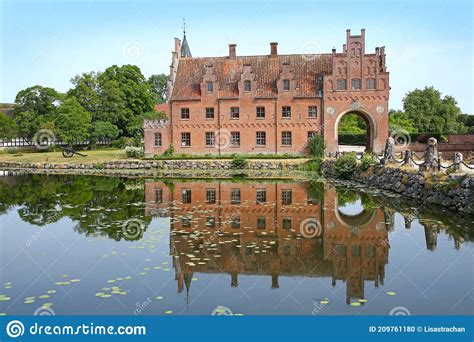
(185, 51)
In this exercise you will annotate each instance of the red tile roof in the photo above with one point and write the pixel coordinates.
(267, 71)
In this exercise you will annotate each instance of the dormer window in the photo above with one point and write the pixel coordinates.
(286, 85)
(210, 87)
(247, 85)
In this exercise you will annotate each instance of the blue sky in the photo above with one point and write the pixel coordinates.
(48, 42)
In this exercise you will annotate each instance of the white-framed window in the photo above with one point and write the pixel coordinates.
(210, 139)
(261, 138)
(185, 113)
(158, 140)
(286, 138)
(234, 112)
(186, 139)
(234, 139)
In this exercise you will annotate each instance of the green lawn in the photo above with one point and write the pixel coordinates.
(57, 157)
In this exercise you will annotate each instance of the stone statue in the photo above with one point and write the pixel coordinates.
(458, 158)
(388, 153)
(408, 159)
(431, 156)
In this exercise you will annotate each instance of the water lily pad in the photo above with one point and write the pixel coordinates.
(362, 300)
(51, 291)
(75, 280)
(43, 296)
(391, 293)
(324, 302)
(105, 295)
(3, 313)
(111, 281)
(98, 294)
(169, 312)
(158, 297)
(355, 304)
(29, 301)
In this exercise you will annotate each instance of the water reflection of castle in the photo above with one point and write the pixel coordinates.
(260, 229)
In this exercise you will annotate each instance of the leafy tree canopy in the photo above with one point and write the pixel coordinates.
(119, 95)
(159, 87)
(34, 107)
(400, 120)
(8, 127)
(73, 121)
(432, 113)
(352, 123)
(104, 130)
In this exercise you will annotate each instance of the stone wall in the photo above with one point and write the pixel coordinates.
(455, 192)
(278, 169)
(221, 164)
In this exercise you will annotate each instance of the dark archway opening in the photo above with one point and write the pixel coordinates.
(353, 133)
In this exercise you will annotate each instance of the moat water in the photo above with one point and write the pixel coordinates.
(83, 245)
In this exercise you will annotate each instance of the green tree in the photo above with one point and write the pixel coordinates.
(119, 95)
(398, 119)
(8, 127)
(352, 123)
(432, 113)
(159, 87)
(73, 122)
(87, 93)
(34, 108)
(468, 121)
(104, 130)
(125, 95)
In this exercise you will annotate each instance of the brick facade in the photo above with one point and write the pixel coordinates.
(270, 103)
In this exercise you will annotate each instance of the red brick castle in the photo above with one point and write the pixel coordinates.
(270, 103)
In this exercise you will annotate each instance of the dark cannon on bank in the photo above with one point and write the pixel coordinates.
(68, 152)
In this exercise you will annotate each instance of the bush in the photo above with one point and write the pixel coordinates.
(169, 151)
(134, 152)
(316, 146)
(345, 166)
(239, 163)
(313, 165)
(368, 160)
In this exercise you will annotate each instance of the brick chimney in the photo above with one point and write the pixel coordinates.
(273, 49)
(232, 53)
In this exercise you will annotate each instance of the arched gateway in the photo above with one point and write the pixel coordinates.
(270, 103)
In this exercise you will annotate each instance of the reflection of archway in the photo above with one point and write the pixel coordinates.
(359, 219)
(371, 127)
